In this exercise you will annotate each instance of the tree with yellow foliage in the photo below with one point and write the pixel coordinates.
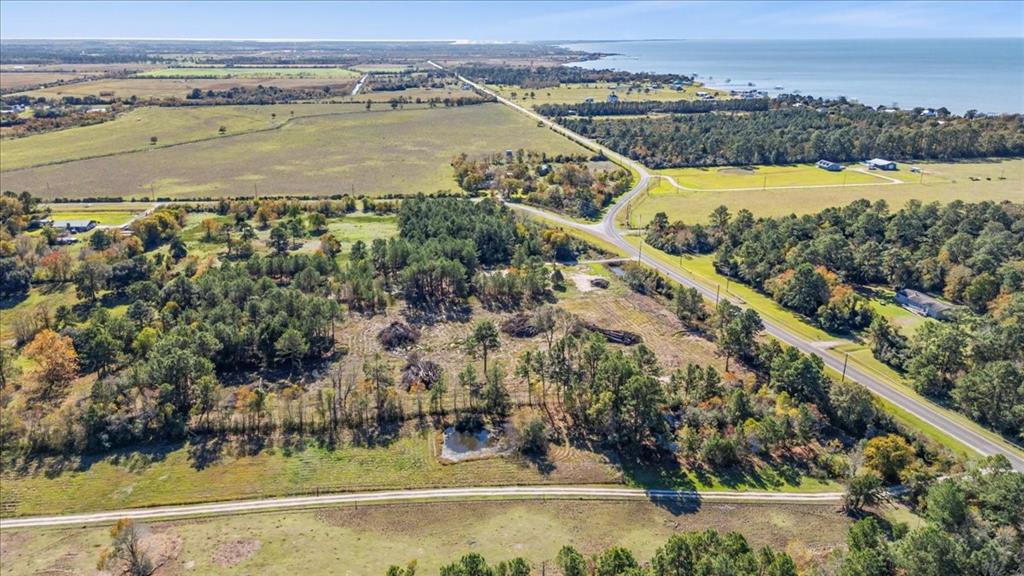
(56, 357)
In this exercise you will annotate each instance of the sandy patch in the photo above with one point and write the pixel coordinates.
(582, 281)
(235, 552)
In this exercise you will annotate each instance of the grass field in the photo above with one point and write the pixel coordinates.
(766, 176)
(11, 81)
(145, 88)
(942, 182)
(367, 539)
(377, 152)
(247, 72)
(599, 91)
(386, 68)
(132, 131)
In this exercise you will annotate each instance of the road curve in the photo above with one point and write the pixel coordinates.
(607, 231)
(426, 495)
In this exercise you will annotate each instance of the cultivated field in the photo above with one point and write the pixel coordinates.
(941, 182)
(145, 88)
(367, 539)
(247, 72)
(599, 91)
(132, 131)
(12, 81)
(377, 152)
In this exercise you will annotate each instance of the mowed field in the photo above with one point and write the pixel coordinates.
(246, 72)
(599, 91)
(729, 177)
(942, 182)
(132, 131)
(365, 540)
(374, 152)
(144, 88)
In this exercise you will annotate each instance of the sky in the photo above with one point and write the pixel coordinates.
(510, 21)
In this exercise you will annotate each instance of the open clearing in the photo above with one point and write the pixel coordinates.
(942, 182)
(132, 131)
(247, 72)
(145, 88)
(11, 81)
(367, 539)
(599, 91)
(376, 152)
(767, 176)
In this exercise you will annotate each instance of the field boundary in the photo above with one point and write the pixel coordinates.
(198, 140)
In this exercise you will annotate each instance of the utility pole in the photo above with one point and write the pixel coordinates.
(718, 288)
(845, 360)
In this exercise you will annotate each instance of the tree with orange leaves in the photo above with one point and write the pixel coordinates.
(56, 356)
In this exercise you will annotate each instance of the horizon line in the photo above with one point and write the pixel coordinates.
(469, 41)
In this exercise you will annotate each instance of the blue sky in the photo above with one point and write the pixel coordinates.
(510, 21)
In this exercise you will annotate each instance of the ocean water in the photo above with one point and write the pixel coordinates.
(960, 74)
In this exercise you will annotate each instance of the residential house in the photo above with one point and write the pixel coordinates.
(923, 304)
(880, 164)
(829, 165)
(74, 226)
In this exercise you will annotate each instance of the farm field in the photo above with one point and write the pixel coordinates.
(145, 88)
(943, 182)
(12, 81)
(247, 72)
(133, 130)
(599, 91)
(376, 152)
(387, 68)
(367, 539)
(767, 176)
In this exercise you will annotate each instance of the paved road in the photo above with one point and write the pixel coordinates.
(427, 495)
(606, 230)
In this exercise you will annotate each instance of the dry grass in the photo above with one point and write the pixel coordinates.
(144, 88)
(367, 539)
(373, 153)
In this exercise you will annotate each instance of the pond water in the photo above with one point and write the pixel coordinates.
(617, 270)
(460, 446)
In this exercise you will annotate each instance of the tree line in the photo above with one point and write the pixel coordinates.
(586, 109)
(544, 76)
(818, 264)
(789, 134)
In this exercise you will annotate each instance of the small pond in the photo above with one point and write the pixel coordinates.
(467, 445)
(617, 270)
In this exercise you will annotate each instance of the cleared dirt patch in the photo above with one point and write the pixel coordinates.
(583, 281)
(235, 552)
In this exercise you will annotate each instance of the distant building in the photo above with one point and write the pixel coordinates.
(923, 304)
(74, 226)
(588, 100)
(509, 155)
(613, 98)
(880, 164)
(39, 223)
(929, 112)
(829, 165)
